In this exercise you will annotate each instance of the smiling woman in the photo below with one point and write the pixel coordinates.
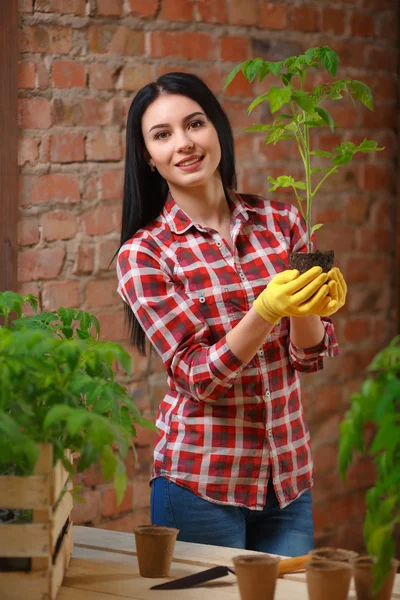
(203, 273)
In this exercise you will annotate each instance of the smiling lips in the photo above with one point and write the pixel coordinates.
(189, 161)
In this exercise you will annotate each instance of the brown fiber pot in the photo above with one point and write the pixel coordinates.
(363, 578)
(256, 576)
(335, 554)
(302, 261)
(155, 547)
(328, 580)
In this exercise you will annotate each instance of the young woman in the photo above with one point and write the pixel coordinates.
(203, 271)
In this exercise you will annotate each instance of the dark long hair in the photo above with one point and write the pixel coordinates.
(145, 191)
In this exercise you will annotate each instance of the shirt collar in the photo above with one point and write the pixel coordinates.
(180, 222)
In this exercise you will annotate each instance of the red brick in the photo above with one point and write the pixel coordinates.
(333, 20)
(191, 46)
(134, 78)
(26, 75)
(362, 24)
(327, 400)
(114, 39)
(356, 330)
(101, 292)
(377, 178)
(138, 8)
(375, 240)
(52, 187)
(106, 253)
(25, 6)
(86, 111)
(240, 86)
(109, 501)
(358, 269)
(234, 48)
(88, 510)
(60, 293)
(242, 12)
(67, 147)
(101, 220)
(34, 113)
(59, 225)
(128, 523)
(336, 235)
(103, 145)
(145, 437)
(303, 18)
(101, 76)
(112, 326)
(90, 188)
(382, 212)
(176, 10)
(325, 458)
(382, 59)
(42, 77)
(74, 7)
(368, 299)
(384, 117)
(355, 210)
(84, 262)
(93, 476)
(109, 8)
(141, 495)
(212, 12)
(387, 27)
(34, 265)
(28, 151)
(68, 74)
(28, 231)
(111, 185)
(46, 38)
(273, 16)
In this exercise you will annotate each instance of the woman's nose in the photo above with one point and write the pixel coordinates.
(184, 141)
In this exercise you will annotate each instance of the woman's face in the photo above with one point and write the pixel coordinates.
(176, 129)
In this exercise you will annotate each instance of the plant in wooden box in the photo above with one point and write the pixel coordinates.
(305, 113)
(376, 408)
(58, 394)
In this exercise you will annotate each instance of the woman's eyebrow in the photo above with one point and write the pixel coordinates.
(183, 120)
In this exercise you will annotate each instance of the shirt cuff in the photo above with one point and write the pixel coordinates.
(310, 360)
(224, 365)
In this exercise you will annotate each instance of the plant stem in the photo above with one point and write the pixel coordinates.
(322, 181)
(308, 186)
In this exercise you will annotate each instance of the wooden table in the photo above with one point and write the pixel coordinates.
(104, 567)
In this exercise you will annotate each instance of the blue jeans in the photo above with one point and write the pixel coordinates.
(288, 531)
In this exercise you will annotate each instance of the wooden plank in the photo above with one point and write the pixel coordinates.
(24, 492)
(15, 586)
(124, 543)
(43, 466)
(60, 516)
(61, 564)
(27, 539)
(60, 480)
(106, 573)
(9, 56)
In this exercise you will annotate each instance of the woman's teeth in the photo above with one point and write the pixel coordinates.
(190, 162)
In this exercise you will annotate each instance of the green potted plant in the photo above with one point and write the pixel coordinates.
(372, 427)
(303, 112)
(58, 386)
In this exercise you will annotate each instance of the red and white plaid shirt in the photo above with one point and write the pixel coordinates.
(224, 424)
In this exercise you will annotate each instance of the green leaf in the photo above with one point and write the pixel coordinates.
(321, 153)
(325, 115)
(362, 92)
(120, 483)
(108, 463)
(329, 59)
(232, 75)
(251, 70)
(304, 100)
(259, 128)
(275, 67)
(285, 181)
(256, 102)
(316, 227)
(66, 315)
(263, 71)
(278, 97)
(278, 133)
(68, 332)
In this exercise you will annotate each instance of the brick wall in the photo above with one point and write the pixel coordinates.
(81, 64)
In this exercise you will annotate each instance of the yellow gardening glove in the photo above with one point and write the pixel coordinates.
(289, 294)
(337, 294)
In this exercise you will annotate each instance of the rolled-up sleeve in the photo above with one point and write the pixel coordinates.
(173, 323)
(309, 360)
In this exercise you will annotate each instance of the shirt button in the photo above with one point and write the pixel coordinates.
(202, 299)
(242, 275)
(269, 433)
(219, 244)
(268, 393)
(261, 353)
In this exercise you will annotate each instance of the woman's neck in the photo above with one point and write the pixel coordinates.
(206, 205)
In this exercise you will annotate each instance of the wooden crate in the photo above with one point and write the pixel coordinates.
(47, 540)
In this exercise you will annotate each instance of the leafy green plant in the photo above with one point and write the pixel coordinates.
(377, 404)
(58, 386)
(305, 113)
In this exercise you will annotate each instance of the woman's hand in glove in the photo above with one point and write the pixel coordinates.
(289, 294)
(337, 292)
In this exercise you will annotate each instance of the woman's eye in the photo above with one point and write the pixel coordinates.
(200, 123)
(161, 134)
(158, 135)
